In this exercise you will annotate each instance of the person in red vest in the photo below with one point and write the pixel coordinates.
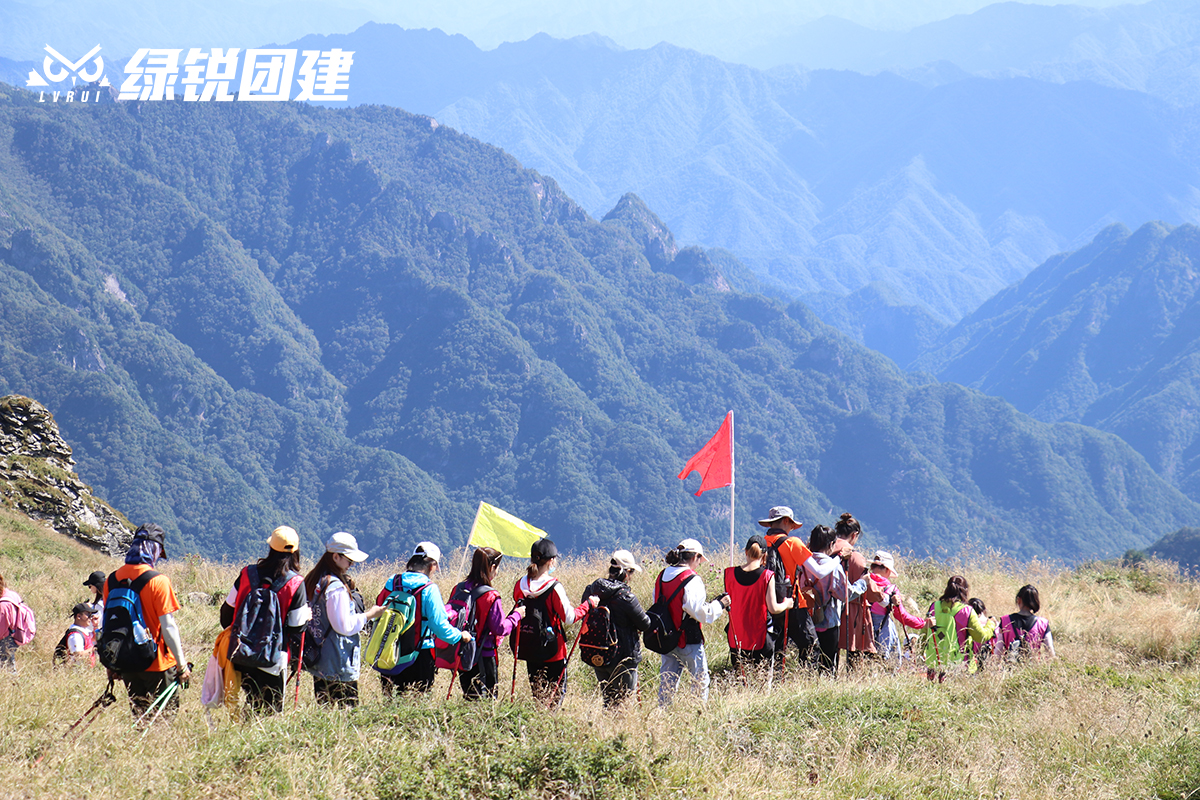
(689, 611)
(280, 567)
(751, 590)
(78, 644)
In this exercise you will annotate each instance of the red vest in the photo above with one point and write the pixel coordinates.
(666, 589)
(748, 615)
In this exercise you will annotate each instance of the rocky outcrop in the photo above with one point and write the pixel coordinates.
(37, 478)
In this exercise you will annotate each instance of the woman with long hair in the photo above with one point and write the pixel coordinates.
(337, 619)
(491, 624)
(278, 570)
(689, 611)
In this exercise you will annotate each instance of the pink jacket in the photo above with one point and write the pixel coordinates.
(898, 611)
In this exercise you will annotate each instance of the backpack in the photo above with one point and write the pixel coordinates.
(256, 638)
(598, 639)
(24, 627)
(663, 634)
(774, 562)
(464, 615)
(125, 642)
(537, 637)
(318, 625)
(396, 640)
(62, 651)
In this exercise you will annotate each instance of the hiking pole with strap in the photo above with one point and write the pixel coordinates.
(162, 701)
(299, 663)
(106, 699)
(567, 663)
(937, 651)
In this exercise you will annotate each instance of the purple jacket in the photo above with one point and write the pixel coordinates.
(495, 625)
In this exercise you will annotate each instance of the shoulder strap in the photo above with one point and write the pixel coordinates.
(679, 588)
(142, 580)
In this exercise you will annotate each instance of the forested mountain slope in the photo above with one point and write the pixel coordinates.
(822, 182)
(246, 314)
(1108, 336)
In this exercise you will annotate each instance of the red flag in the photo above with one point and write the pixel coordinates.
(714, 462)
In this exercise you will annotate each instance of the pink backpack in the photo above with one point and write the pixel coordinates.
(22, 628)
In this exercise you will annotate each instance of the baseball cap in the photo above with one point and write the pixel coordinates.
(543, 550)
(775, 515)
(759, 540)
(624, 559)
(346, 545)
(96, 579)
(284, 539)
(429, 550)
(692, 546)
(153, 533)
(83, 608)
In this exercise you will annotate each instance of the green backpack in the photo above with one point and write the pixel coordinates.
(396, 641)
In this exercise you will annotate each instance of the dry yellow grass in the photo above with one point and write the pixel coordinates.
(1114, 717)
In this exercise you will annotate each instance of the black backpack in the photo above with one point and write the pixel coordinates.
(125, 642)
(464, 615)
(598, 640)
(318, 625)
(257, 636)
(663, 634)
(537, 638)
(774, 562)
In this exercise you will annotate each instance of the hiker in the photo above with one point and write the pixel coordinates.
(891, 606)
(78, 643)
(828, 592)
(857, 636)
(753, 603)
(951, 623)
(618, 618)
(416, 581)
(688, 612)
(540, 640)
(983, 650)
(136, 592)
(95, 582)
(479, 681)
(268, 610)
(337, 619)
(17, 625)
(1024, 633)
(795, 625)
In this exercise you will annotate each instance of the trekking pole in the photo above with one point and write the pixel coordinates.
(165, 698)
(106, 699)
(558, 685)
(165, 692)
(937, 651)
(450, 688)
(512, 692)
(299, 662)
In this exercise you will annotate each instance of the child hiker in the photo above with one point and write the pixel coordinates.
(883, 575)
(951, 623)
(1024, 633)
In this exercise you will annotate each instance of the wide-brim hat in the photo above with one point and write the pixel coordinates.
(346, 545)
(775, 515)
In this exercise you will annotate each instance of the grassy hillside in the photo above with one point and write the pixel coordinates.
(1116, 716)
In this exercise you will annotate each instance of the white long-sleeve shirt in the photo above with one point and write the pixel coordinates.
(340, 611)
(694, 593)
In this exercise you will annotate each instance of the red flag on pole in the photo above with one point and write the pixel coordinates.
(714, 462)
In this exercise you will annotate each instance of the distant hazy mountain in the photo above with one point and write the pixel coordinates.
(1108, 336)
(1182, 547)
(821, 182)
(243, 314)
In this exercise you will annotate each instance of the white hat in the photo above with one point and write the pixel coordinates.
(346, 545)
(625, 560)
(884, 559)
(429, 550)
(692, 546)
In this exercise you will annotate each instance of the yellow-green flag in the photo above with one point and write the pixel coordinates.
(501, 530)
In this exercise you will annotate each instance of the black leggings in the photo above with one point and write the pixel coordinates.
(416, 677)
(827, 650)
(617, 682)
(264, 691)
(335, 693)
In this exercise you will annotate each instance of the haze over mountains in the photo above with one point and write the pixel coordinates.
(244, 314)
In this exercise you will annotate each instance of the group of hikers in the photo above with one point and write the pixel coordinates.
(817, 594)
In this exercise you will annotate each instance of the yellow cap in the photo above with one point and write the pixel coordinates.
(284, 539)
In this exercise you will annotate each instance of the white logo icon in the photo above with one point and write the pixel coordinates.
(56, 70)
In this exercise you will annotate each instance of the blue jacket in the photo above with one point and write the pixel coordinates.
(434, 621)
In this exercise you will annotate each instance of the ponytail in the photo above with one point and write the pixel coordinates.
(956, 589)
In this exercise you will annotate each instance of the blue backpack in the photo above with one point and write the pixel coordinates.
(125, 642)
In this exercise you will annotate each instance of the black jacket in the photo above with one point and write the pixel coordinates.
(626, 613)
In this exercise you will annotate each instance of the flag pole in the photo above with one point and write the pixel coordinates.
(467, 546)
(732, 483)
